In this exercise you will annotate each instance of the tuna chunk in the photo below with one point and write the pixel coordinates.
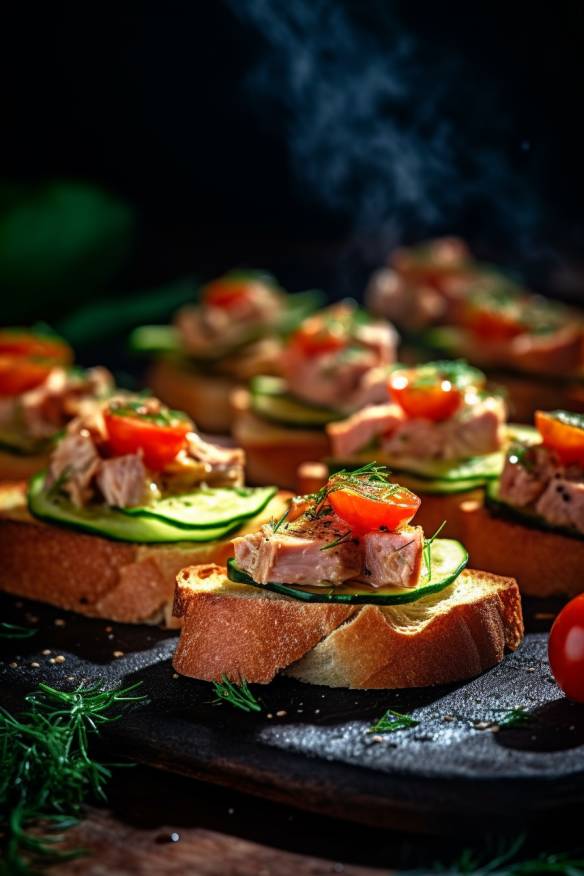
(75, 462)
(416, 439)
(123, 481)
(299, 553)
(526, 475)
(49, 406)
(359, 430)
(562, 503)
(477, 430)
(332, 380)
(223, 464)
(394, 559)
(381, 337)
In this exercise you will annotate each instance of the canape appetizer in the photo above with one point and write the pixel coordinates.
(344, 591)
(335, 363)
(537, 505)
(451, 304)
(40, 391)
(131, 493)
(232, 333)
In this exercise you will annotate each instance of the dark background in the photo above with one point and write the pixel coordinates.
(305, 137)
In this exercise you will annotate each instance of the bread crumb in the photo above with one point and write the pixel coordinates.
(175, 674)
(269, 715)
(377, 739)
(281, 713)
(118, 653)
(35, 665)
(46, 652)
(59, 658)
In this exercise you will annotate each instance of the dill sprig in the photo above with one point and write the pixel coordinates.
(370, 474)
(341, 539)
(238, 695)
(427, 549)
(392, 721)
(501, 858)
(515, 717)
(47, 772)
(14, 631)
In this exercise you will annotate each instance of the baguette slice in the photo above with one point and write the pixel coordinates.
(14, 467)
(205, 398)
(545, 563)
(95, 576)
(273, 453)
(245, 632)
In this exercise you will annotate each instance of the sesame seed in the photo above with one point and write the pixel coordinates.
(35, 665)
(175, 674)
(281, 714)
(46, 652)
(118, 653)
(59, 658)
(59, 622)
(13, 665)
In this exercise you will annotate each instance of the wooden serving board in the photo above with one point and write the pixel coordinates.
(311, 746)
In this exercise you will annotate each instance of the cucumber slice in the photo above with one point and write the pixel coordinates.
(477, 468)
(524, 516)
(270, 400)
(448, 559)
(113, 524)
(207, 508)
(155, 339)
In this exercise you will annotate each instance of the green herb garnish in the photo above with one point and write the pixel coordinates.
(342, 539)
(427, 549)
(47, 772)
(238, 695)
(392, 721)
(514, 717)
(139, 409)
(13, 631)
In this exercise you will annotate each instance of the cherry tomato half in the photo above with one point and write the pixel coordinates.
(19, 374)
(158, 436)
(431, 396)
(566, 649)
(375, 506)
(17, 342)
(562, 432)
(229, 292)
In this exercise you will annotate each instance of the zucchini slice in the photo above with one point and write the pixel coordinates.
(155, 339)
(207, 508)
(113, 524)
(448, 559)
(270, 400)
(522, 515)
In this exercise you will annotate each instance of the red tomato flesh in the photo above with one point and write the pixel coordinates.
(19, 374)
(565, 438)
(159, 442)
(227, 292)
(566, 649)
(378, 506)
(30, 345)
(436, 399)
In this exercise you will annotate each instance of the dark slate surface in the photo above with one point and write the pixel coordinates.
(319, 755)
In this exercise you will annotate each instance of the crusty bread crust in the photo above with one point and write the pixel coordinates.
(204, 398)
(20, 468)
(95, 576)
(273, 453)
(244, 632)
(545, 563)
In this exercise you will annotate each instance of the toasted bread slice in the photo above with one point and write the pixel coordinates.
(273, 453)
(205, 398)
(95, 576)
(14, 467)
(246, 632)
(545, 563)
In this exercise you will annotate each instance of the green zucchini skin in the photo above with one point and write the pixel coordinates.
(449, 558)
(498, 507)
(114, 524)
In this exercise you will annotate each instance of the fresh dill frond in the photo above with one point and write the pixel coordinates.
(278, 523)
(501, 857)
(392, 721)
(514, 717)
(47, 772)
(238, 695)
(342, 539)
(427, 549)
(14, 631)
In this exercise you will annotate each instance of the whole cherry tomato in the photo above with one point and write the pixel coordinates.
(18, 374)
(566, 649)
(159, 435)
(19, 342)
